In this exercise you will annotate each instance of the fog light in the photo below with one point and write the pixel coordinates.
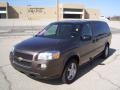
(43, 66)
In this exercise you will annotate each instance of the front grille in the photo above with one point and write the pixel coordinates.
(24, 63)
(23, 55)
(22, 58)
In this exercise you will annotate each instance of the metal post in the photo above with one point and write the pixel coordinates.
(57, 10)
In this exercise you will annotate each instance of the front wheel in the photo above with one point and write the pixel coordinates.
(70, 72)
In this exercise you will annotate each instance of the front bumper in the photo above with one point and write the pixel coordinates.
(53, 70)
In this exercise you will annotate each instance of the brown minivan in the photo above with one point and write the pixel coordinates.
(60, 48)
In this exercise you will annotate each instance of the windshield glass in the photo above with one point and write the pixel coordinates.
(61, 31)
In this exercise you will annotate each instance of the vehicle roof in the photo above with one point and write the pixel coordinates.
(77, 21)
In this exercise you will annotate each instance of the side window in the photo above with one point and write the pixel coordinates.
(65, 30)
(86, 30)
(77, 28)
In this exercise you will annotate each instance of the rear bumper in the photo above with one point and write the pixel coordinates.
(53, 70)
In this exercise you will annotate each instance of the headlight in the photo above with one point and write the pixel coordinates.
(49, 55)
(12, 49)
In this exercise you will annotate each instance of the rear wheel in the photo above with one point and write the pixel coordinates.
(70, 72)
(106, 51)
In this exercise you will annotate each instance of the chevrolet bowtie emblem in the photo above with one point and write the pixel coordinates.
(20, 58)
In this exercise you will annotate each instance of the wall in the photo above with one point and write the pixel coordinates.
(92, 14)
(3, 4)
(39, 13)
(32, 13)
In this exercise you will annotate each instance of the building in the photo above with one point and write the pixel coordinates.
(64, 11)
(3, 10)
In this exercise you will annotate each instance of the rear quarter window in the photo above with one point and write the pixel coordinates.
(100, 28)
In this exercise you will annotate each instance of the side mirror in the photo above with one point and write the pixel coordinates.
(86, 37)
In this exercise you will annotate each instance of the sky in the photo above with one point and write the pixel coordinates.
(107, 7)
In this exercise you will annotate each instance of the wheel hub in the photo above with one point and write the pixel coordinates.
(72, 71)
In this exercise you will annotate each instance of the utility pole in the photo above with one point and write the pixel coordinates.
(57, 10)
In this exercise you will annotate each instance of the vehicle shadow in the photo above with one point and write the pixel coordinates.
(84, 69)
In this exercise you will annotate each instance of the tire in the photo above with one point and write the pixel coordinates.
(105, 53)
(70, 72)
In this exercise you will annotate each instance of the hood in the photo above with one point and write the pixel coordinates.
(37, 44)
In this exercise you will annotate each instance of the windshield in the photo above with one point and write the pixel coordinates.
(61, 31)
